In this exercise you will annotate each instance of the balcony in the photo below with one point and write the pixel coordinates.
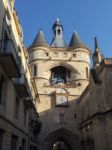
(9, 59)
(21, 86)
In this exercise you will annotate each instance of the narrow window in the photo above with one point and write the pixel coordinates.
(23, 144)
(17, 108)
(1, 139)
(25, 115)
(14, 143)
(2, 89)
(75, 116)
(58, 31)
(87, 73)
(6, 43)
(35, 70)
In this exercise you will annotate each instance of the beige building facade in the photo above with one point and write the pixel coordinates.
(19, 123)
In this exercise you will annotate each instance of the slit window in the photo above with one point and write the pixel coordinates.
(17, 108)
(25, 116)
(2, 89)
(87, 73)
(58, 31)
(35, 70)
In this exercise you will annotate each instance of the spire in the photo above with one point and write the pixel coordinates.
(75, 40)
(58, 40)
(96, 43)
(40, 39)
(97, 55)
(97, 49)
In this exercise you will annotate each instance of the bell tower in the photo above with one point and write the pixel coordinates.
(58, 40)
(61, 73)
(57, 28)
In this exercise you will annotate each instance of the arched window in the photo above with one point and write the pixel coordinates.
(35, 70)
(58, 31)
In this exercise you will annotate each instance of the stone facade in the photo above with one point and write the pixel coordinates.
(95, 109)
(17, 92)
(75, 101)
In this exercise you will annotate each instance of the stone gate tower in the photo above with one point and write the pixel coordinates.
(61, 73)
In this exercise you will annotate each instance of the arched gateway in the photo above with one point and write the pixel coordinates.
(62, 139)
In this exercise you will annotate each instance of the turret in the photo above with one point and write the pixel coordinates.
(97, 55)
(40, 39)
(39, 50)
(81, 53)
(75, 40)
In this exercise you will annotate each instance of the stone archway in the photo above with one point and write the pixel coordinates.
(63, 64)
(64, 135)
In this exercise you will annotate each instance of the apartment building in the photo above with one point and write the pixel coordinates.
(19, 120)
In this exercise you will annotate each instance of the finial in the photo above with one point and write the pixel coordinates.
(75, 31)
(57, 20)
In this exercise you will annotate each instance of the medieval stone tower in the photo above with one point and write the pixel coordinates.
(61, 73)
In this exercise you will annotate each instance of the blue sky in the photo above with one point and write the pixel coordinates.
(88, 17)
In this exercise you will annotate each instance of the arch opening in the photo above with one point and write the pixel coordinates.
(60, 74)
(61, 145)
(62, 139)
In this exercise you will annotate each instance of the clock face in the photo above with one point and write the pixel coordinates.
(62, 98)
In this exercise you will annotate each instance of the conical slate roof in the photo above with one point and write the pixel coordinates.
(58, 42)
(75, 40)
(40, 39)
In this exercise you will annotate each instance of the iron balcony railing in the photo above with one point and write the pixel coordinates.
(7, 47)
